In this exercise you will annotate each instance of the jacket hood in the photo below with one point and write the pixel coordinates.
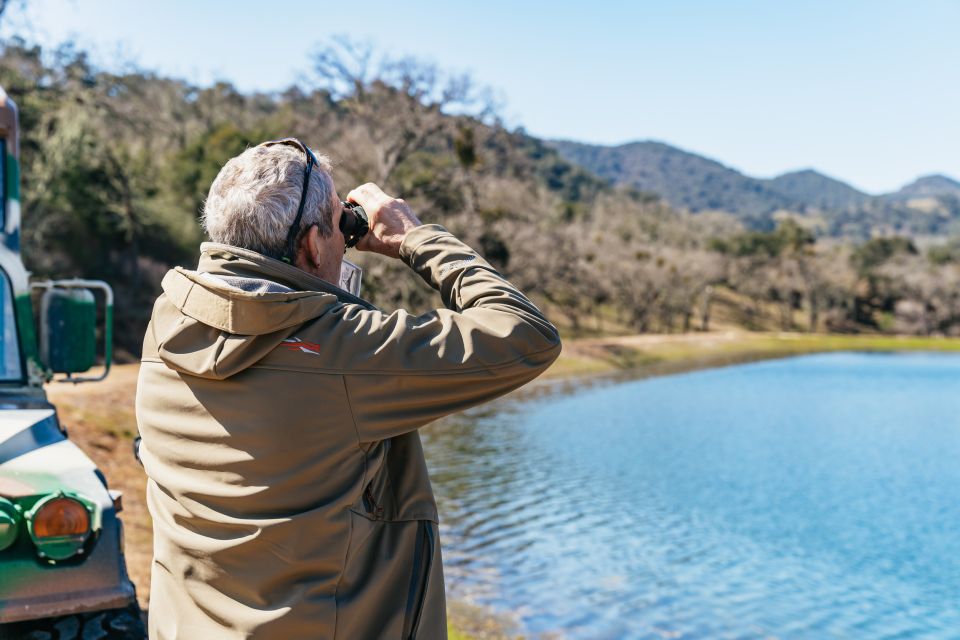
(234, 309)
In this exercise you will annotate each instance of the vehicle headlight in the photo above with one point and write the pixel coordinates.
(9, 524)
(60, 525)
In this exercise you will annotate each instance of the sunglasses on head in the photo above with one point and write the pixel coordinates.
(353, 223)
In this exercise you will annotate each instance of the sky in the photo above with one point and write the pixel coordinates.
(867, 91)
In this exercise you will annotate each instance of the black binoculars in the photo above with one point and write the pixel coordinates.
(354, 223)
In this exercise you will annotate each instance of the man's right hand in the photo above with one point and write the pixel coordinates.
(390, 219)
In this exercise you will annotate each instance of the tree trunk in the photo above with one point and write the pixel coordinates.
(705, 309)
(814, 313)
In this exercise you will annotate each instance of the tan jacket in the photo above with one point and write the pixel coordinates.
(287, 483)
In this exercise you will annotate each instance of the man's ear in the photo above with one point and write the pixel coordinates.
(308, 255)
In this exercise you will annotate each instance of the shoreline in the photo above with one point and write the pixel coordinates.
(639, 356)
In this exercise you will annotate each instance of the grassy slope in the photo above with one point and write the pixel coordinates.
(100, 416)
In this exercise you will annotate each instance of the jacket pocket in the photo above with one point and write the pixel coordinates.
(419, 579)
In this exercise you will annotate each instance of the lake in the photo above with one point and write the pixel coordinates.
(811, 497)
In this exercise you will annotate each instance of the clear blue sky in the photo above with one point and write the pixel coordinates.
(867, 91)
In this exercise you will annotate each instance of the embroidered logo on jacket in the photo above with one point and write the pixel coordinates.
(296, 344)
(458, 264)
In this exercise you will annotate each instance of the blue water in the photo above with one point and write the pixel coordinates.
(813, 497)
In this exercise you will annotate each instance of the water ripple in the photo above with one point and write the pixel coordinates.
(806, 498)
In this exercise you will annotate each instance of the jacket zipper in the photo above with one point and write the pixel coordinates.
(419, 581)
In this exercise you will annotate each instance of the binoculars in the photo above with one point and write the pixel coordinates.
(354, 223)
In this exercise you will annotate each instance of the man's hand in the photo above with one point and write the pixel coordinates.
(390, 220)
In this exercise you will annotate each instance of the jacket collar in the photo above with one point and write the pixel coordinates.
(227, 260)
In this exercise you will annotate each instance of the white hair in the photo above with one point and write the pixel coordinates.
(253, 201)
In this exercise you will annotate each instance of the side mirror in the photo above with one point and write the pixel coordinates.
(68, 327)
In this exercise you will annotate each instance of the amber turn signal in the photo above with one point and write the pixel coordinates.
(61, 517)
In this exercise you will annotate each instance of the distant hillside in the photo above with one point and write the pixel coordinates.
(929, 186)
(817, 190)
(682, 179)
(930, 205)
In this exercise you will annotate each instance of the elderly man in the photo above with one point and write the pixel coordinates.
(279, 412)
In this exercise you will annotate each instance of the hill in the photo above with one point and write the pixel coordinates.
(683, 179)
(928, 186)
(930, 205)
(813, 189)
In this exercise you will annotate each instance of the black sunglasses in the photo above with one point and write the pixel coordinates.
(353, 222)
(295, 227)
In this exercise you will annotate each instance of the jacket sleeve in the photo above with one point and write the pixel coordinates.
(405, 371)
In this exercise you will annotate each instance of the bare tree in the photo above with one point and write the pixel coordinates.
(928, 296)
(397, 105)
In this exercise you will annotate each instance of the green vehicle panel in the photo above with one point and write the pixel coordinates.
(60, 535)
(37, 461)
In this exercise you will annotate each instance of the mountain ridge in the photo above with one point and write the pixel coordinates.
(686, 180)
(934, 184)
